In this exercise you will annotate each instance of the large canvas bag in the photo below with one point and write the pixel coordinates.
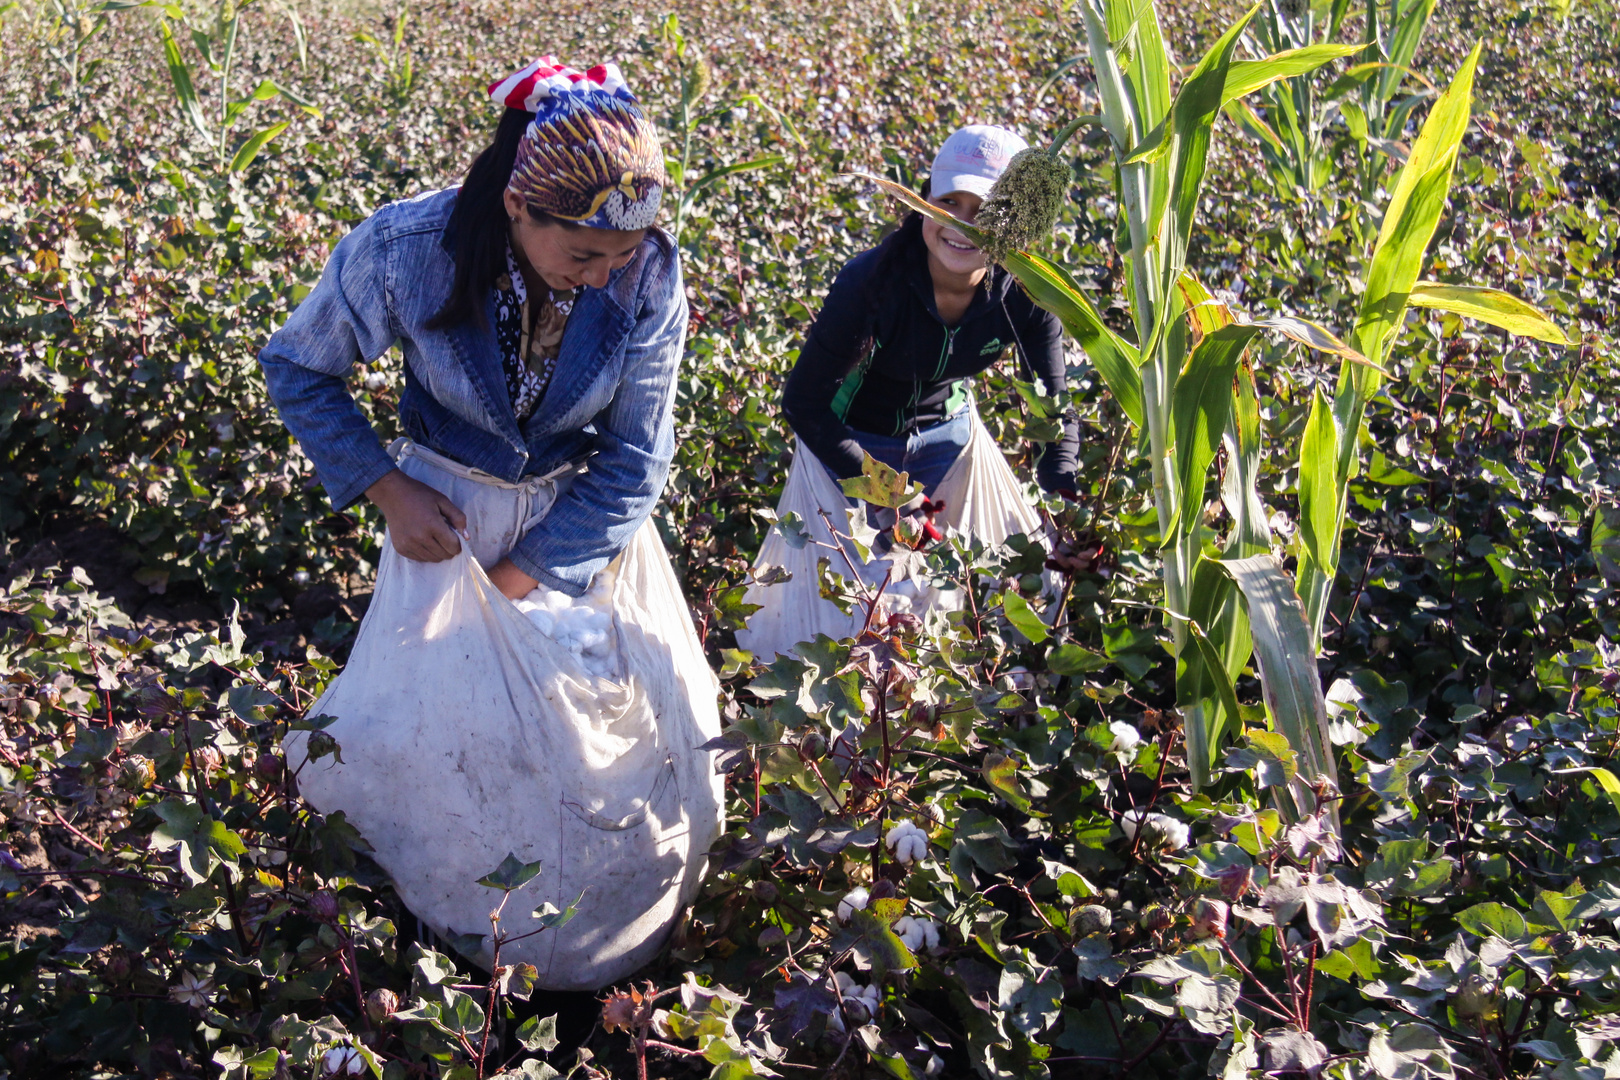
(466, 733)
(982, 499)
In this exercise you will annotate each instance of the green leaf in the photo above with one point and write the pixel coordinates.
(180, 75)
(1244, 77)
(714, 176)
(538, 1034)
(513, 873)
(1355, 960)
(1022, 616)
(880, 485)
(1416, 201)
(1487, 305)
(1001, 773)
(551, 919)
(1321, 497)
(204, 842)
(1485, 920)
(1269, 755)
(460, 1014)
(1072, 659)
(1286, 654)
(1199, 409)
(888, 952)
(1051, 287)
(1380, 471)
(256, 142)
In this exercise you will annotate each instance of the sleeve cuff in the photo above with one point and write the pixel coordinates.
(357, 483)
(544, 576)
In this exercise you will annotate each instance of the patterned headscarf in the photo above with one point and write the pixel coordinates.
(589, 156)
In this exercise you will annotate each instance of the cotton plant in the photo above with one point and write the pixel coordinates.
(854, 900)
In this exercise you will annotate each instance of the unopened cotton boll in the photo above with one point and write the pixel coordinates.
(917, 932)
(908, 842)
(853, 901)
(1126, 737)
(1158, 830)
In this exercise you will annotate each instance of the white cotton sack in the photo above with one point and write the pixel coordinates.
(583, 625)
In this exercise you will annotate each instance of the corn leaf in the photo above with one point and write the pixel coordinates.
(1240, 487)
(256, 142)
(1319, 490)
(927, 209)
(1492, 306)
(1199, 408)
(1133, 30)
(1286, 654)
(1244, 77)
(1191, 119)
(185, 93)
(1204, 675)
(1205, 314)
(1052, 288)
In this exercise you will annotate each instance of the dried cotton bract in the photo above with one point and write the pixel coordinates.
(1024, 204)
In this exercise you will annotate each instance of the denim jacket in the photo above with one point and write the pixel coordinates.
(611, 396)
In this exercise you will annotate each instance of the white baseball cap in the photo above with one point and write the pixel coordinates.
(973, 159)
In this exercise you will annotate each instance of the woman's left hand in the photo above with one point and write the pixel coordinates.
(513, 583)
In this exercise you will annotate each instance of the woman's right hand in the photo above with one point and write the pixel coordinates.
(422, 523)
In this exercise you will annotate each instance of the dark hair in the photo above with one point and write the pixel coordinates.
(476, 233)
(894, 252)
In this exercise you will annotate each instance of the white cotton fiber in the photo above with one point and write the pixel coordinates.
(582, 625)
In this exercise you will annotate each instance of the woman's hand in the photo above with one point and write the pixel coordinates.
(422, 523)
(513, 583)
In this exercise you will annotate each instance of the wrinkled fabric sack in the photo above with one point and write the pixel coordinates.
(466, 733)
(982, 499)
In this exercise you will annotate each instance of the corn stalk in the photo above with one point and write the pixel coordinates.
(1186, 384)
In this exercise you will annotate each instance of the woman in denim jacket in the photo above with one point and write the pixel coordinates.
(440, 274)
(542, 322)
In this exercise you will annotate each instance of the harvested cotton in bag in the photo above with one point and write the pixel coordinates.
(468, 732)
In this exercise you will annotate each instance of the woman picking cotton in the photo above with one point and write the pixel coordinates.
(886, 372)
(526, 679)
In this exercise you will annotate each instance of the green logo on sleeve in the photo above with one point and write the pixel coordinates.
(993, 345)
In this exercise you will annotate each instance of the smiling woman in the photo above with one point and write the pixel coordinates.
(542, 318)
(885, 372)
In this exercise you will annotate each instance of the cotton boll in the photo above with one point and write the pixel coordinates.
(1126, 737)
(1158, 830)
(853, 901)
(542, 619)
(917, 932)
(908, 842)
(853, 993)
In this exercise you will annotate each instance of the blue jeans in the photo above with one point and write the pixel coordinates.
(927, 453)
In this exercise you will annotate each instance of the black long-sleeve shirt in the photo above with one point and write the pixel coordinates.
(914, 372)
